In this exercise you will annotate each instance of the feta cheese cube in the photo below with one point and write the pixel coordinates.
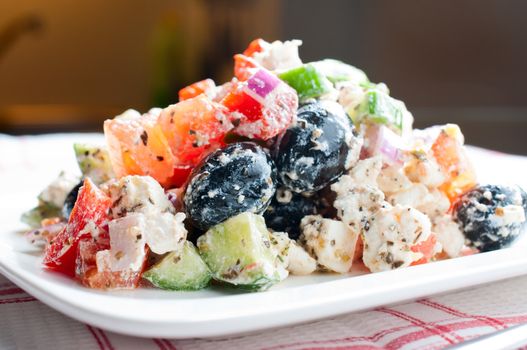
(356, 203)
(165, 231)
(331, 242)
(389, 236)
(293, 257)
(138, 194)
(55, 193)
(449, 235)
(127, 242)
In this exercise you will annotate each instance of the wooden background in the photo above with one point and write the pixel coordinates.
(69, 65)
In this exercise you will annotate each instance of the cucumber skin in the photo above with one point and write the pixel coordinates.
(216, 244)
(94, 162)
(378, 107)
(159, 274)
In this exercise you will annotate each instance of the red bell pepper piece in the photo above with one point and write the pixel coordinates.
(426, 248)
(244, 67)
(92, 206)
(198, 88)
(257, 45)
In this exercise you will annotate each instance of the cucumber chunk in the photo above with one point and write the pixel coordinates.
(380, 108)
(238, 251)
(336, 71)
(34, 217)
(94, 162)
(183, 270)
(307, 80)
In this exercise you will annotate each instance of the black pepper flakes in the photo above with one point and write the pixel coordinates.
(397, 264)
(144, 137)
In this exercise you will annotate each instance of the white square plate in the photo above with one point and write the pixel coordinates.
(219, 311)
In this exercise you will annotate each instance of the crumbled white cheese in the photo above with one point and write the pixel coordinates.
(307, 161)
(90, 228)
(127, 245)
(389, 236)
(279, 55)
(449, 235)
(293, 257)
(300, 262)
(129, 114)
(392, 179)
(366, 171)
(142, 194)
(509, 214)
(331, 242)
(350, 95)
(422, 168)
(155, 111)
(430, 202)
(55, 193)
(138, 194)
(356, 203)
(354, 147)
(165, 232)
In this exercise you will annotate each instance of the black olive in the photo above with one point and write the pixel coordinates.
(70, 201)
(286, 210)
(481, 214)
(317, 149)
(238, 178)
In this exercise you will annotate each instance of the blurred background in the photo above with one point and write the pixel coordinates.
(68, 65)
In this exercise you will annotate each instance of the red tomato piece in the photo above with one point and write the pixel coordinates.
(257, 45)
(138, 146)
(244, 67)
(359, 250)
(181, 173)
(201, 87)
(87, 273)
(92, 207)
(450, 154)
(426, 248)
(264, 106)
(194, 128)
(239, 101)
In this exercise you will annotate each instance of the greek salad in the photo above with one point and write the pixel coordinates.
(288, 168)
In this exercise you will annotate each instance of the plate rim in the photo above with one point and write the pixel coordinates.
(476, 270)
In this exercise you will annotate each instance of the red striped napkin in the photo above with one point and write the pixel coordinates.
(431, 323)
